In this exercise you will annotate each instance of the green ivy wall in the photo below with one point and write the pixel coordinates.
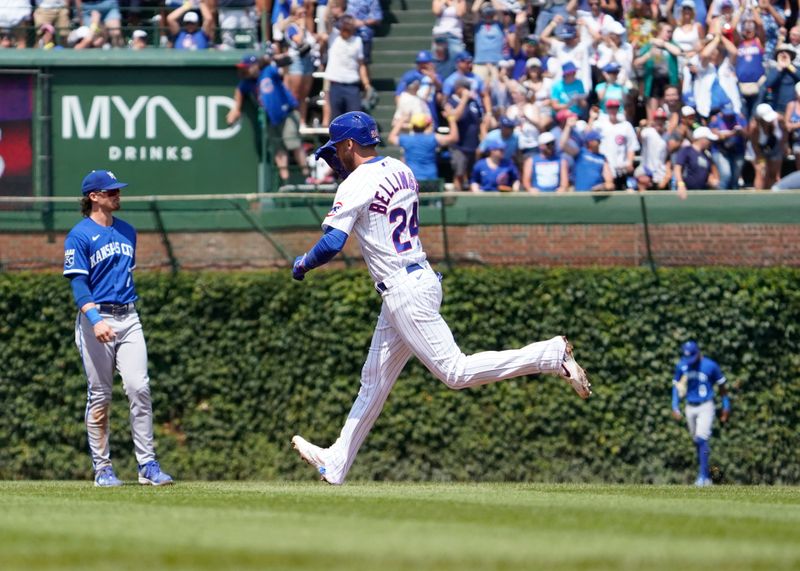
(239, 362)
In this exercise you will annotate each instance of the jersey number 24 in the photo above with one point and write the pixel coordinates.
(405, 221)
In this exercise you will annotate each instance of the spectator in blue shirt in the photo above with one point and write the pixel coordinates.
(191, 36)
(430, 83)
(592, 171)
(462, 152)
(694, 166)
(444, 58)
(506, 134)
(419, 146)
(730, 128)
(569, 93)
(546, 171)
(368, 15)
(495, 173)
(477, 85)
(489, 42)
(610, 89)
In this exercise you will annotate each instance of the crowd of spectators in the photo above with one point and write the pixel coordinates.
(528, 95)
(555, 95)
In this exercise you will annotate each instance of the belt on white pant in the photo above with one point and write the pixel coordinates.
(382, 287)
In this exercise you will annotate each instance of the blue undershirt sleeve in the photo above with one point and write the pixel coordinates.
(330, 244)
(675, 400)
(80, 289)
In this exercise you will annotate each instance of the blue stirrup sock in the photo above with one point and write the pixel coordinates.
(703, 454)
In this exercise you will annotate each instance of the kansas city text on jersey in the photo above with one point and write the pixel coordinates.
(109, 250)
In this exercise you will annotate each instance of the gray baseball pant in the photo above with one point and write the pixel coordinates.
(127, 353)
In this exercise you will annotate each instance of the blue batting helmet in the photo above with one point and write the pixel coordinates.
(355, 125)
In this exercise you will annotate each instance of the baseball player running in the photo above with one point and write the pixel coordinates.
(99, 256)
(694, 380)
(378, 202)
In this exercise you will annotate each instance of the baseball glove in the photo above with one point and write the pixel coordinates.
(682, 385)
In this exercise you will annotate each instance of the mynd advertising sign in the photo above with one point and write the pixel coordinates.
(163, 130)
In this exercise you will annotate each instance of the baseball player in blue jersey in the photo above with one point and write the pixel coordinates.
(694, 380)
(379, 202)
(99, 256)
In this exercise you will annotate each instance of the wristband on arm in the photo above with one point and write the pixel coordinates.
(726, 403)
(93, 316)
(676, 401)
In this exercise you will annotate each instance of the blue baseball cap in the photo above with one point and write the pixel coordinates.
(689, 352)
(98, 181)
(566, 32)
(612, 67)
(569, 67)
(507, 122)
(464, 56)
(593, 136)
(495, 145)
(247, 61)
(424, 57)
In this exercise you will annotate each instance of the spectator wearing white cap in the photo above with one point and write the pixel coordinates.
(694, 166)
(185, 30)
(546, 170)
(619, 143)
(681, 134)
(614, 50)
(768, 140)
(138, 40)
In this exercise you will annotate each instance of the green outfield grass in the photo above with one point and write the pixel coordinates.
(383, 527)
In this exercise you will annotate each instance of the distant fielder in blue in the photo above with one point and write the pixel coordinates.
(99, 256)
(695, 379)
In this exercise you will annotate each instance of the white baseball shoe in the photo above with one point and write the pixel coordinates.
(311, 454)
(574, 374)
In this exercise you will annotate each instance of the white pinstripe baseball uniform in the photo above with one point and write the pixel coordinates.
(379, 203)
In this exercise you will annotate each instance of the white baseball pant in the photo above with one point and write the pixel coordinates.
(700, 419)
(410, 324)
(128, 354)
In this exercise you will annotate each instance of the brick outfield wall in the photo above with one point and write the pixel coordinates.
(754, 245)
